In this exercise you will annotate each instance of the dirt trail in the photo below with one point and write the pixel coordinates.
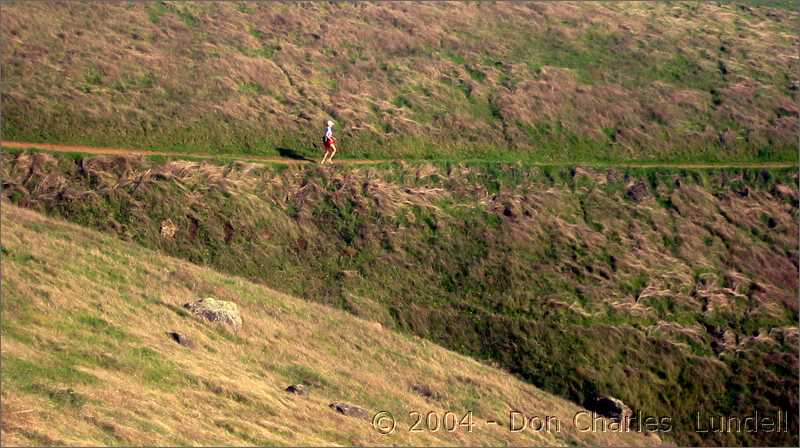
(289, 161)
(145, 152)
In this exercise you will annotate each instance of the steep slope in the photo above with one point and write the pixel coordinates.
(547, 80)
(87, 361)
(674, 290)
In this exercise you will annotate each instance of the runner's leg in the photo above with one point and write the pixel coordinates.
(333, 153)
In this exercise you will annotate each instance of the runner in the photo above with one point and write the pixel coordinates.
(329, 142)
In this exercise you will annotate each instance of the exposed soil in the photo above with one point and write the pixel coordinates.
(144, 152)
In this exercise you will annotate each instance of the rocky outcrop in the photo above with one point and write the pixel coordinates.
(349, 410)
(220, 311)
(611, 407)
(297, 389)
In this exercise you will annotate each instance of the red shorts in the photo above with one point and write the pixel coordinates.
(329, 144)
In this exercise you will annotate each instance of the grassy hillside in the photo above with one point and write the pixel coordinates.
(700, 81)
(672, 290)
(86, 359)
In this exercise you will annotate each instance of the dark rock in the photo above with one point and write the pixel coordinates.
(610, 407)
(425, 391)
(349, 410)
(771, 223)
(180, 339)
(297, 389)
(636, 192)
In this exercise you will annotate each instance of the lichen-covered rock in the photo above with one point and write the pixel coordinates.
(221, 311)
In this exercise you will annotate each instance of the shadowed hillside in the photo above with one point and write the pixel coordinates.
(673, 290)
(699, 81)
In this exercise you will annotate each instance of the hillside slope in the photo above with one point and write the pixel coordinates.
(549, 80)
(673, 290)
(87, 361)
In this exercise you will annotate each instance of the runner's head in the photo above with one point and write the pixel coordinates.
(330, 123)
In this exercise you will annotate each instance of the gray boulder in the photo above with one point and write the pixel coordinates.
(349, 410)
(220, 311)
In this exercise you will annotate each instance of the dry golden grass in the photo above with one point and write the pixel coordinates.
(86, 359)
